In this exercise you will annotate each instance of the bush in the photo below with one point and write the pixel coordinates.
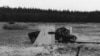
(14, 26)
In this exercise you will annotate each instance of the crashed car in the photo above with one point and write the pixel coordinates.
(63, 35)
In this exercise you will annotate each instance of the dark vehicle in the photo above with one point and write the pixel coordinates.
(63, 31)
(33, 36)
(63, 35)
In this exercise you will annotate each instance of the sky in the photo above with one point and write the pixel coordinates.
(80, 5)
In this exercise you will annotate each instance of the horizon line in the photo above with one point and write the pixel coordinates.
(6, 6)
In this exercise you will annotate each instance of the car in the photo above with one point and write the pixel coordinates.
(63, 35)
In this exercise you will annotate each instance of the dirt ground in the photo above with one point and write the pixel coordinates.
(59, 50)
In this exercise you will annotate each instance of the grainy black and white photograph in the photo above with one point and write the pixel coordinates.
(49, 28)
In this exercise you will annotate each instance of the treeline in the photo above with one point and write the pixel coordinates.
(40, 15)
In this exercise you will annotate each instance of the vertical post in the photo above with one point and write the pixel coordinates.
(78, 50)
(70, 30)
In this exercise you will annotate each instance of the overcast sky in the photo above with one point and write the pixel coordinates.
(81, 5)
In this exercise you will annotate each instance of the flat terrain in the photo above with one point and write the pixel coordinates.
(16, 42)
